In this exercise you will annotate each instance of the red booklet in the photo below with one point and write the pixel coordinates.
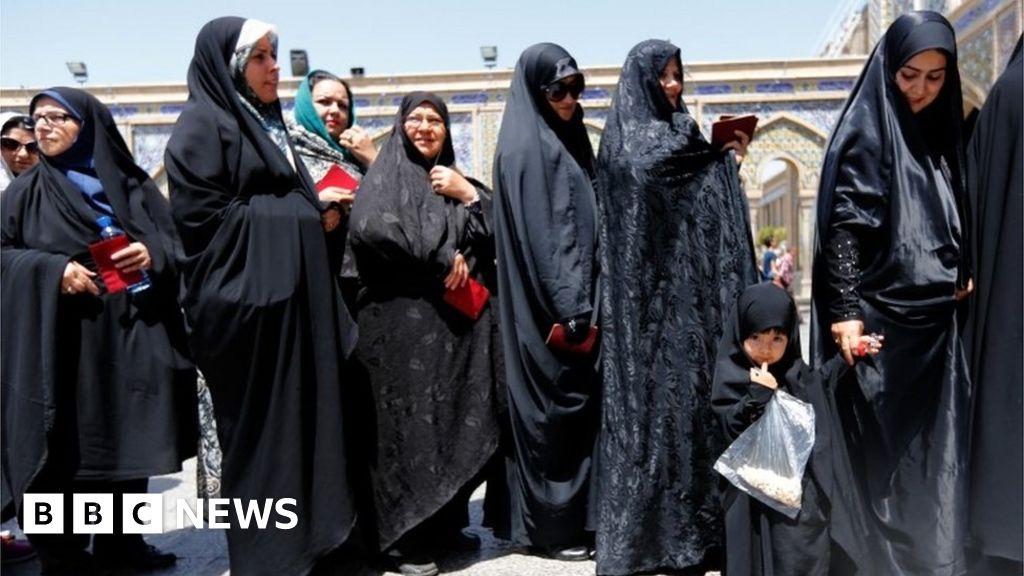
(469, 299)
(556, 341)
(114, 279)
(338, 177)
(723, 130)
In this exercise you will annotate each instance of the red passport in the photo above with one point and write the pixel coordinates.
(470, 298)
(336, 176)
(114, 279)
(723, 130)
(556, 341)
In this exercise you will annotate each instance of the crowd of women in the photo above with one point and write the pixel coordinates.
(381, 334)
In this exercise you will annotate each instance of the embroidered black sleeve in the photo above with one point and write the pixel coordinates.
(843, 275)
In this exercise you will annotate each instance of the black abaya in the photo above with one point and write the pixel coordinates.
(95, 388)
(891, 251)
(545, 219)
(433, 372)
(994, 335)
(269, 329)
(676, 251)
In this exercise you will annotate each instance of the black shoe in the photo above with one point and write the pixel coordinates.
(571, 554)
(459, 542)
(146, 558)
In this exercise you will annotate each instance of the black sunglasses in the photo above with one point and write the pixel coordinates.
(12, 145)
(557, 91)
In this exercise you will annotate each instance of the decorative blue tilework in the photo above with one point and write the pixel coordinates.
(462, 142)
(972, 15)
(477, 98)
(820, 114)
(148, 144)
(172, 109)
(119, 111)
(595, 94)
(362, 102)
(774, 87)
(714, 89)
(827, 85)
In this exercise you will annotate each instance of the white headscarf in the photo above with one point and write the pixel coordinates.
(5, 171)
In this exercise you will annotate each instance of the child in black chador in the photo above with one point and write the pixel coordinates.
(759, 353)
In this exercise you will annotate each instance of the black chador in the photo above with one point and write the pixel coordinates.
(676, 252)
(892, 249)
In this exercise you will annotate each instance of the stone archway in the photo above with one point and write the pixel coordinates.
(788, 195)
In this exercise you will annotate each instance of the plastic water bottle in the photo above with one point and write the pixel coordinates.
(108, 231)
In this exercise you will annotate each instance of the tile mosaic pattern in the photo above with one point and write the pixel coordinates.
(976, 60)
(1007, 32)
(787, 139)
(148, 144)
(820, 114)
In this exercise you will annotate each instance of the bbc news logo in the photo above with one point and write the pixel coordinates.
(144, 513)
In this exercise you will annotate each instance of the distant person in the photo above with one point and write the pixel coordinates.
(893, 256)
(545, 227)
(18, 148)
(994, 335)
(323, 131)
(421, 230)
(98, 388)
(676, 252)
(268, 325)
(768, 257)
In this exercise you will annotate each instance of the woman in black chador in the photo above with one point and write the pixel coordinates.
(676, 251)
(545, 218)
(418, 227)
(994, 334)
(268, 326)
(892, 256)
(99, 393)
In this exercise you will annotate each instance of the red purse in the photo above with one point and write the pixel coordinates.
(556, 341)
(470, 298)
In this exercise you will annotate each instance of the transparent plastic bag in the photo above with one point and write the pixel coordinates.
(768, 459)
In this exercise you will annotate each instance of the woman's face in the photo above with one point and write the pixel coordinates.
(56, 130)
(921, 78)
(425, 128)
(262, 72)
(19, 150)
(331, 102)
(563, 96)
(767, 346)
(672, 81)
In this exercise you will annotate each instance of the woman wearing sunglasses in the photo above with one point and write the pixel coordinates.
(546, 236)
(18, 147)
(676, 253)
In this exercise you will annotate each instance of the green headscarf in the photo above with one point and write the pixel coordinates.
(306, 116)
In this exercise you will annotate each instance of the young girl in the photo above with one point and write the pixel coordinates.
(759, 353)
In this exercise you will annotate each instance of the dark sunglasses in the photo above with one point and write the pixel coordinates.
(12, 145)
(559, 90)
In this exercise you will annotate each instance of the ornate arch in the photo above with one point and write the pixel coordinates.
(790, 138)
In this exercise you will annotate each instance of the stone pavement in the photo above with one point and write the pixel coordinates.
(204, 552)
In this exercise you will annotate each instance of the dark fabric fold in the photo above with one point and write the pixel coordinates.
(268, 326)
(994, 335)
(676, 252)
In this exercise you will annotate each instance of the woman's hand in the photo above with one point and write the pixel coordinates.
(961, 294)
(739, 145)
(450, 183)
(133, 258)
(458, 274)
(870, 344)
(846, 335)
(763, 377)
(342, 196)
(77, 279)
(359, 143)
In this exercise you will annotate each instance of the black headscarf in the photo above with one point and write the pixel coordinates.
(397, 217)
(676, 251)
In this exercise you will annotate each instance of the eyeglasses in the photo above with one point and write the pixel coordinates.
(557, 91)
(53, 119)
(417, 121)
(12, 145)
